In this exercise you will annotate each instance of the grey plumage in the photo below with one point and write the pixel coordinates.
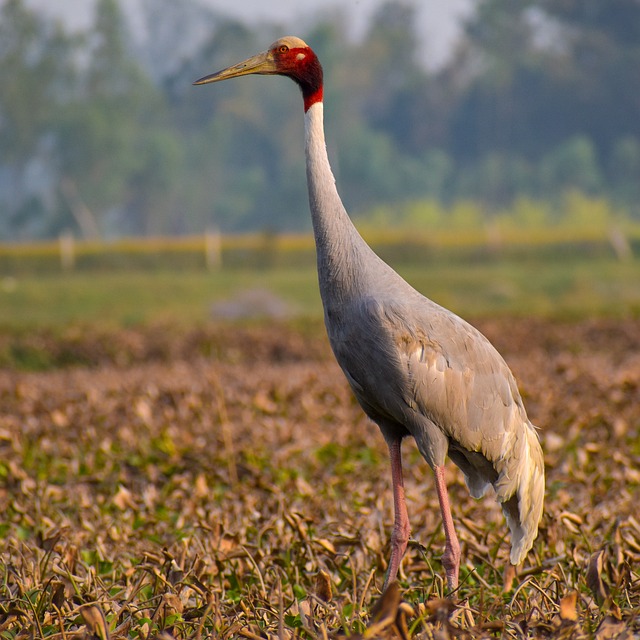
(416, 368)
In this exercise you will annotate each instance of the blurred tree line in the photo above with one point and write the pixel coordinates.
(102, 132)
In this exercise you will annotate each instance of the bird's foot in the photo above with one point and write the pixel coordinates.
(452, 578)
(399, 541)
(451, 564)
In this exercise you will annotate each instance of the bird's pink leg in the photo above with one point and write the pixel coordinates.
(451, 557)
(401, 527)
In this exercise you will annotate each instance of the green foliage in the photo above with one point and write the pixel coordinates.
(625, 173)
(574, 214)
(105, 136)
(34, 68)
(572, 165)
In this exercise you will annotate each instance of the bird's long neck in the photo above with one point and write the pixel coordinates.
(342, 253)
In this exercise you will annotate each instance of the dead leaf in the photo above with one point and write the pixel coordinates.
(572, 521)
(323, 586)
(264, 403)
(568, 611)
(170, 604)
(440, 609)
(123, 499)
(95, 621)
(59, 419)
(58, 593)
(384, 612)
(594, 579)
(143, 410)
(303, 487)
(201, 488)
(327, 545)
(402, 627)
(610, 628)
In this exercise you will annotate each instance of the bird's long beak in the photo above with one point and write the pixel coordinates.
(262, 63)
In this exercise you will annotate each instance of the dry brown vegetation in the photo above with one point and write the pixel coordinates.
(223, 483)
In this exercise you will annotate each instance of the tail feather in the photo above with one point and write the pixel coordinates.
(520, 490)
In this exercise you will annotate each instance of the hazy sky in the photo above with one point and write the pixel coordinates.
(438, 20)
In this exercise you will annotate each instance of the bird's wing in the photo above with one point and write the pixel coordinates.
(419, 367)
(453, 376)
(464, 382)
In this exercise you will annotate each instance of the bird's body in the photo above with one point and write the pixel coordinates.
(416, 368)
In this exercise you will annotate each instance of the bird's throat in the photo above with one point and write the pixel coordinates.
(340, 248)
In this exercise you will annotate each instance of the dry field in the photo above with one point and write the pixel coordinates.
(222, 483)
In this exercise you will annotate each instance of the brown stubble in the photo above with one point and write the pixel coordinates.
(243, 493)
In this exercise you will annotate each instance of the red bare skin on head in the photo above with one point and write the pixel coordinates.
(302, 65)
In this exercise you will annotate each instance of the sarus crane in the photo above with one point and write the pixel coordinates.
(416, 368)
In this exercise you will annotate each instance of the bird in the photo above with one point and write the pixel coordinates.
(417, 369)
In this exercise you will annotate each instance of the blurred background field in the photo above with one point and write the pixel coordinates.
(498, 171)
(167, 281)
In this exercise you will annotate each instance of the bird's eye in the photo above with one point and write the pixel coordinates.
(283, 48)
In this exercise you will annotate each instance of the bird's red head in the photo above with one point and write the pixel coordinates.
(297, 60)
(289, 56)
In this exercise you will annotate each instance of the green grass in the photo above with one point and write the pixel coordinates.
(573, 287)
(553, 289)
(124, 298)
